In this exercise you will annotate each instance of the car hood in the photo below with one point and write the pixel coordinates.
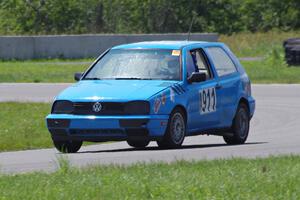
(113, 90)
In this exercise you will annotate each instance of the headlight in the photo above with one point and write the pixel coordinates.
(62, 107)
(137, 108)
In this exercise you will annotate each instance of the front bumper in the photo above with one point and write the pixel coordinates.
(106, 128)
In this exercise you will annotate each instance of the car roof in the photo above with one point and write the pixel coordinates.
(165, 44)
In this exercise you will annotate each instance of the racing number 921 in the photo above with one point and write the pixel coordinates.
(208, 100)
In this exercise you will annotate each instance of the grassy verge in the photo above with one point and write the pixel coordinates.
(272, 69)
(41, 71)
(270, 178)
(257, 44)
(23, 126)
(267, 45)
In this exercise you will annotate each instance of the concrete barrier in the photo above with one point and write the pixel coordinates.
(79, 46)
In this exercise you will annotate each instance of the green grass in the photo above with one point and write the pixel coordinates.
(270, 178)
(41, 71)
(257, 44)
(272, 69)
(23, 126)
(269, 70)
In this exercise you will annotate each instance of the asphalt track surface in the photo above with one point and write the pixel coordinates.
(275, 130)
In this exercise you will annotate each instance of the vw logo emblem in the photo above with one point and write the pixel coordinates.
(97, 107)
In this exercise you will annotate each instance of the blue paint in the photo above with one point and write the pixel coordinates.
(163, 95)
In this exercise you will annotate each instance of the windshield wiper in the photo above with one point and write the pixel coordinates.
(94, 78)
(132, 78)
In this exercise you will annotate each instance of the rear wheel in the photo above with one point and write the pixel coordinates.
(176, 130)
(67, 146)
(240, 126)
(138, 143)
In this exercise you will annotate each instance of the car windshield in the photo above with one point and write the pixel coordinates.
(148, 64)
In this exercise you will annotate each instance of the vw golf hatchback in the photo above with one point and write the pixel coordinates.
(155, 91)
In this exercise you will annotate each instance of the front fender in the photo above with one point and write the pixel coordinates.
(165, 101)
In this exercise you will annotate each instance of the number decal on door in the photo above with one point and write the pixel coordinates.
(208, 100)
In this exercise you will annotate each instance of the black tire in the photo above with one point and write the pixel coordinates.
(176, 130)
(240, 126)
(67, 146)
(292, 51)
(138, 143)
(291, 41)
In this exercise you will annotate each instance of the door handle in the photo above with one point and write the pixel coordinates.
(218, 86)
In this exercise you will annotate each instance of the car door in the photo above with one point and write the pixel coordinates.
(228, 83)
(203, 106)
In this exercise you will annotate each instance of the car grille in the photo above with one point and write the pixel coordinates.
(97, 131)
(108, 108)
(130, 132)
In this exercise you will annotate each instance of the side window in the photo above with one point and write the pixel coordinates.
(190, 65)
(196, 62)
(200, 63)
(221, 60)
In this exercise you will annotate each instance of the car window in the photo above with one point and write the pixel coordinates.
(158, 64)
(221, 61)
(196, 62)
(190, 65)
(200, 62)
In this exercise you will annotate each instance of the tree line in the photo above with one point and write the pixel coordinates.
(146, 16)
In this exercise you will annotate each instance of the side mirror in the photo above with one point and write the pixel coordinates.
(77, 76)
(196, 77)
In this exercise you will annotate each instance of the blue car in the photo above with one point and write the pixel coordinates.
(155, 91)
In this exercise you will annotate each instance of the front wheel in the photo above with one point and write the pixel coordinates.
(176, 130)
(240, 126)
(67, 146)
